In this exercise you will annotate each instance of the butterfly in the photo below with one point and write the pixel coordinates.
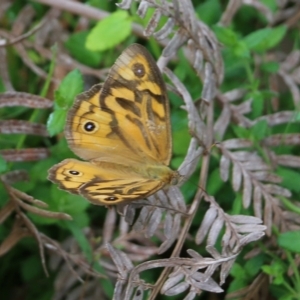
(122, 129)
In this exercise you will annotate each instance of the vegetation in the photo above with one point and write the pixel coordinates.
(232, 70)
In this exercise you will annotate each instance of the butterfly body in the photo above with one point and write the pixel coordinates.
(122, 128)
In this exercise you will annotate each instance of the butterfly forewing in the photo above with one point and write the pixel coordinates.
(135, 92)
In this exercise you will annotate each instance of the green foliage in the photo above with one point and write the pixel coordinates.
(290, 178)
(230, 39)
(264, 39)
(209, 11)
(76, 44)
(109, 32)
(69, 88)
(284, 240)
(249, 48)
(3, 164)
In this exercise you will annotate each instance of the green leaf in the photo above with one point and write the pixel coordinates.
(180, 128)
(290, 178)
(39, 171)
(257, 103)
(66, 202)
(70, 87)
(290, 241)
(270, 67)
(237, 205)
(209, 11)
(60, 100)
(255, 38)
(109, 32)
(215, 182)
(56, 121)
(271, 4)
(238, 271)
(76, 45)
(296, 116)
(241, 132)
(226, 36)
(277, 270)
(265, 39)
(3, 165)
(31, 267)
(254, 264)
(260, 130)
(241, 50)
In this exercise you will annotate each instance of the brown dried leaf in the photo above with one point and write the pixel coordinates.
(243, 219)
(282, 139)
(142, 219)
(233, 95)
(176, 199)
(29, 154)
(224, 168)
(121, 260)
(268, 213)
(24, 127)
(21, 195)
(281, 117)
(237, 143)
(291, 60)
(243, 108)
(292, 86)
(222, 122)
(179, 38)
(177, 289)
(206, 224)
(247, 189)
(142, 9)
(257, 199)
(167, 29)
(6, 211)
(277, 190)
(15, 176)
(263, 9)
(288, 160)
(13, 238)
(236, 176)
(4, 69)
(168, 224)
(153, 22)
(175, 231)
(125, 4)
(215, 231)
(24, 99)
(209, 85)
(256, 165)
(34, 231)
(172, 281)
(154, 222)
(229, 12)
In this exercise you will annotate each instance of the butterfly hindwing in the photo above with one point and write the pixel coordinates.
(102, 183)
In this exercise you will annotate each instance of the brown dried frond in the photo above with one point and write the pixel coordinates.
(256, 290)
(18, 203)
